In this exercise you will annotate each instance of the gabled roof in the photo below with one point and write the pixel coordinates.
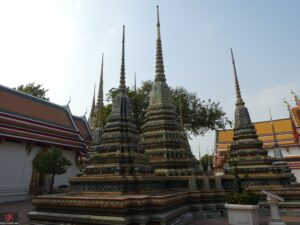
(84, 128)
(295, 113)
(28, 118)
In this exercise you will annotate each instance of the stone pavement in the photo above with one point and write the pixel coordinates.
(263, 220)
(23, 207)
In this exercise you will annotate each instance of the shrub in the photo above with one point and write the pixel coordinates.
(244, 198)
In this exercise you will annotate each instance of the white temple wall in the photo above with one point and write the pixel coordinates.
(16, 170)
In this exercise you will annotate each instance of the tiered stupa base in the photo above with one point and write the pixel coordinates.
(127, 200)
(145, 200)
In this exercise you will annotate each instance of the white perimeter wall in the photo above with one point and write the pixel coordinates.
(16, 170)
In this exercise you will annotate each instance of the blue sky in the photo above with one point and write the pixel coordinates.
(59, 44)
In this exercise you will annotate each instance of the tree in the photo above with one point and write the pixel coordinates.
(199, 116)
(34, 89)
(51, 162)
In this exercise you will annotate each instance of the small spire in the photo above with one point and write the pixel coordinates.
(100, 92)
(209, 170)
(296, 98)
(273, 131)
(134, 82)
(277, 150)
(122, 86)
(200, 164)
(239, 100)
(199, 152)
(160, 70)
(93, 102)
(158, 22)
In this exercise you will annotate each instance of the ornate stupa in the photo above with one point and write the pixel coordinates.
(247, 151)
(118, 152)
(162, 136)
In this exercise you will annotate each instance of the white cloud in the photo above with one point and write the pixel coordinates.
(34, 38)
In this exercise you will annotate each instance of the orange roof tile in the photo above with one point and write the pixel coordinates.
(84, 128)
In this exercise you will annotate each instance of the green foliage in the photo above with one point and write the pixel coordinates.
(204, 161)
(51, 162)
(199, 116)
(34, 89)
(240, 196)
(239, 178)
(244, 198)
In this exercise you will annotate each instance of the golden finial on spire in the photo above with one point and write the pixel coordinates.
(239, 100)
(158, 22)
(100, 92)
(199, 152)
(122, 86)
(273, 130)
(134, 82)
(277, 151)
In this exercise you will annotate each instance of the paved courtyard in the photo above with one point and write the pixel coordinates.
(23, 207)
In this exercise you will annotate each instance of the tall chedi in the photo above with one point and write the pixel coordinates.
(162, 135)
(247, 152)
(91, 118)
(98, 124)
(119, 152)
(98, 121)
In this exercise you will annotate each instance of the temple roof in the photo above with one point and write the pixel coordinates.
(28, 118)
(295, 114)
(84, 128)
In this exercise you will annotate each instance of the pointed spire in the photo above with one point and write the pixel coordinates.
(100, 92)
(277, 150)
(122, 86)
(209, 170)
(273, 131)
(134, 82)
(239, 100)
(199, 152)
(93, 102)
(160, 70)
(200, 163)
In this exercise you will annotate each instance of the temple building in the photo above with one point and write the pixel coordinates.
(29, 125)
(286, 130)
(153, 177)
